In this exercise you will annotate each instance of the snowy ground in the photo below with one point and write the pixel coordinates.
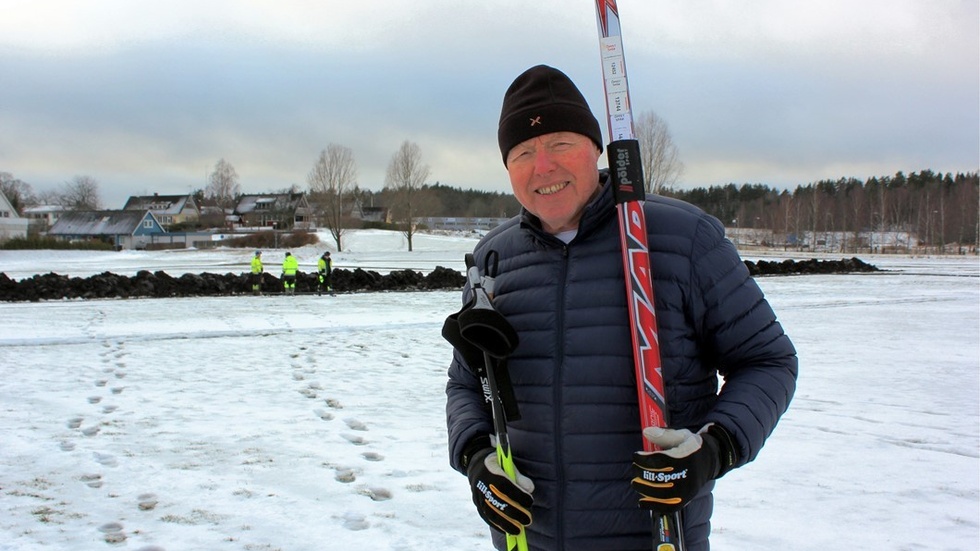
(311, 423)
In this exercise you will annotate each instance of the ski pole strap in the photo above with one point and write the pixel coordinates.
(506, 390)
(472, 355)
(474, 358)
(484, 327)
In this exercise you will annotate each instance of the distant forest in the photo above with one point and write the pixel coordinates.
(940, 210)
(443, 200)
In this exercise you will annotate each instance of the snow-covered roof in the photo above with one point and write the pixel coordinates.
(42, 209)
(98, 222)
(269, 202)
(160, 204)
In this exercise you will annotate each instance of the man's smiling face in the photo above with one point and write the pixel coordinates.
(554, 176)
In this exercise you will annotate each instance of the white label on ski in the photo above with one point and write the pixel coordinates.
(611, 46)
(622, 127)
(617, 90)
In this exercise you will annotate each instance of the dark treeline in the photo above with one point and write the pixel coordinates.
(443, 200)
(924, 209)
(457, 202)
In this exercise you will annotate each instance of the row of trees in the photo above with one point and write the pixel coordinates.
(79, 193)
(938, 210)
(333, 185)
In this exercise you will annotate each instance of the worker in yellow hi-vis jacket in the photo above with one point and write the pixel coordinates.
(256, 277)
(324, 267)
(289, 267)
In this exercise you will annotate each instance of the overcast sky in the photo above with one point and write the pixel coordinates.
(147, 96)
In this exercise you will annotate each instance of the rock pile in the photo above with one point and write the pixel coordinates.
(811, 266)
(159, 284)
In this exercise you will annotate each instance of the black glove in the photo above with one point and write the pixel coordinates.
(669, 479)
(502, 503)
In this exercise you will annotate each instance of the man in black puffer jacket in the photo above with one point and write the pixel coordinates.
(560, 284)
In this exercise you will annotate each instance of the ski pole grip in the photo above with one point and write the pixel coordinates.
(626, 170)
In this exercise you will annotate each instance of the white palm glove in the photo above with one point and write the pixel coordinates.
(669, 479)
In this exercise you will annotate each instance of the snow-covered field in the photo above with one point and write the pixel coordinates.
(317, 423)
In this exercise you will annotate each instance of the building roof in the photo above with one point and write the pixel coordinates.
(100, 222)
(270, 202)
(41, 209)
(5, 204)
(160, 204)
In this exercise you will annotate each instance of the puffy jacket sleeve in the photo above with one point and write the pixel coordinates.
(466, 415)
(742, 338)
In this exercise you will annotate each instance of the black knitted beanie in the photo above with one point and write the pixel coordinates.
(540, 101)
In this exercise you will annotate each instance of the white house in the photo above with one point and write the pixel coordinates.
(42, 217)
(12, 224)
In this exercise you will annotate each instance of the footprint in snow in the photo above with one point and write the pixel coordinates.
(325, 415)
(101, 382)
(94, 399)
(345, 476)
(105, 459)
(147, 502)
(355, 522)
(67, 446)
(354, 439)
(92, 480)
(117, 390)
(373, 456)
(109, 408)
(334, 403)
(113, 532)
(376, 494)
(90, 431)
(354, 424)
(75, 422)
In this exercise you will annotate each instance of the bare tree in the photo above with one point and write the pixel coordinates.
(18, 192)
(404, 181)
(331, 181)
(81, 193)
(223, 185)
(661, 163)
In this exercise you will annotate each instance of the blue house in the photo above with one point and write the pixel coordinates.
(124, 229)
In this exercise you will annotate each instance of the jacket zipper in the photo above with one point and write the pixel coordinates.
(559, 361)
